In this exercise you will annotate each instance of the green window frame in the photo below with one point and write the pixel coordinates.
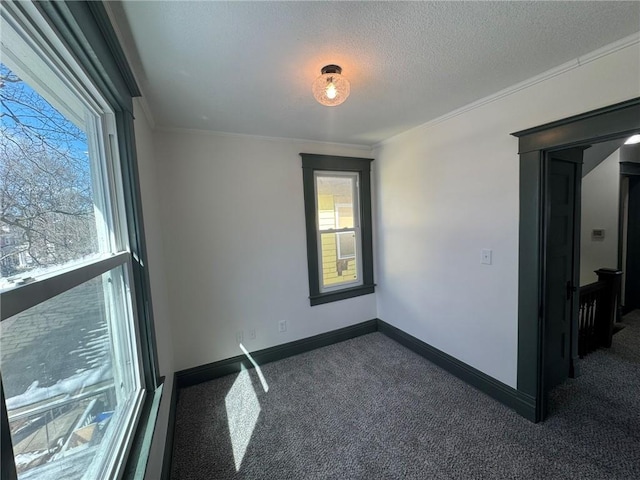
(85, 31)
(313, 165)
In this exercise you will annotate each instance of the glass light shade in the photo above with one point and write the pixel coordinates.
(633, 140)
(331, 88)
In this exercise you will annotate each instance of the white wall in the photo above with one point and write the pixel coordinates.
(156, 258)
(234, 237)
(600, 202)
(448, 189)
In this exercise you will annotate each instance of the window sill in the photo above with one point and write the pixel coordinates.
(336, 295)
(136, 463)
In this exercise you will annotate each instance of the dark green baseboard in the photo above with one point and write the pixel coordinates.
(520, 402)
(509, 396)
(171, 423)
(204, 373)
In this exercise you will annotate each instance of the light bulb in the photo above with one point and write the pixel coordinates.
(331, 91)
(331, 88)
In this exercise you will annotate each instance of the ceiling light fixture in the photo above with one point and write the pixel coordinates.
(632, 140)
(331, 88)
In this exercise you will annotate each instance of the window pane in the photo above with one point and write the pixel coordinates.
(335, 201)
(336, 270)
(346, 245)
(69, 377)
(46, 194)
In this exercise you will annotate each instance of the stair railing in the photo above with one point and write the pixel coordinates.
(599, 302)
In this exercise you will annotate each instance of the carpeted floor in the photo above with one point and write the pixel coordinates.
(368, 408)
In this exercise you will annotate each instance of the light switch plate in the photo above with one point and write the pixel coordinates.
(485, 256)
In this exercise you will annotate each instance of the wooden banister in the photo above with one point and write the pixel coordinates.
(598, 311)
(610, 297)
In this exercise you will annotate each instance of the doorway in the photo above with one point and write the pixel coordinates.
(543, 347)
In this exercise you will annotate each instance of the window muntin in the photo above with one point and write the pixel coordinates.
(337, 211)
(337, 203)
(56, 83)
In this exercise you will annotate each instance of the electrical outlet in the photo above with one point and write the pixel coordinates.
(282, 326)
(239, 336)
(252, 334)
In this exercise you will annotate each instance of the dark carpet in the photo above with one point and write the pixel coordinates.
(368, 408)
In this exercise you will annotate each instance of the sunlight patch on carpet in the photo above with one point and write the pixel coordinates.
(263, 380)
(243, 410)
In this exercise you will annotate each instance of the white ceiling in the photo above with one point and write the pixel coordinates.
(247, 67)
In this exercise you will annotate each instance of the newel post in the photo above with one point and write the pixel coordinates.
(607, 304)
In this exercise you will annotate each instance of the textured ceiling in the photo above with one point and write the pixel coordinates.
(247, 67)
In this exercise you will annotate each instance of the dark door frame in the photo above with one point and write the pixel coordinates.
(629, 172)
(608, 123)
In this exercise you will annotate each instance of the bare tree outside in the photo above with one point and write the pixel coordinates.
(46, 200)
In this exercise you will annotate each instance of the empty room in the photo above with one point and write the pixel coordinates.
(319, 239)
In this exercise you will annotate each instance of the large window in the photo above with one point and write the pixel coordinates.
(337, 197)
(72, 371)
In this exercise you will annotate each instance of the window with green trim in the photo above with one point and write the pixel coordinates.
(337, 196)
(72, 330)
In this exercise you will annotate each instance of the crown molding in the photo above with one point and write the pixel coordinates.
(554, 72)
(194, 131)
